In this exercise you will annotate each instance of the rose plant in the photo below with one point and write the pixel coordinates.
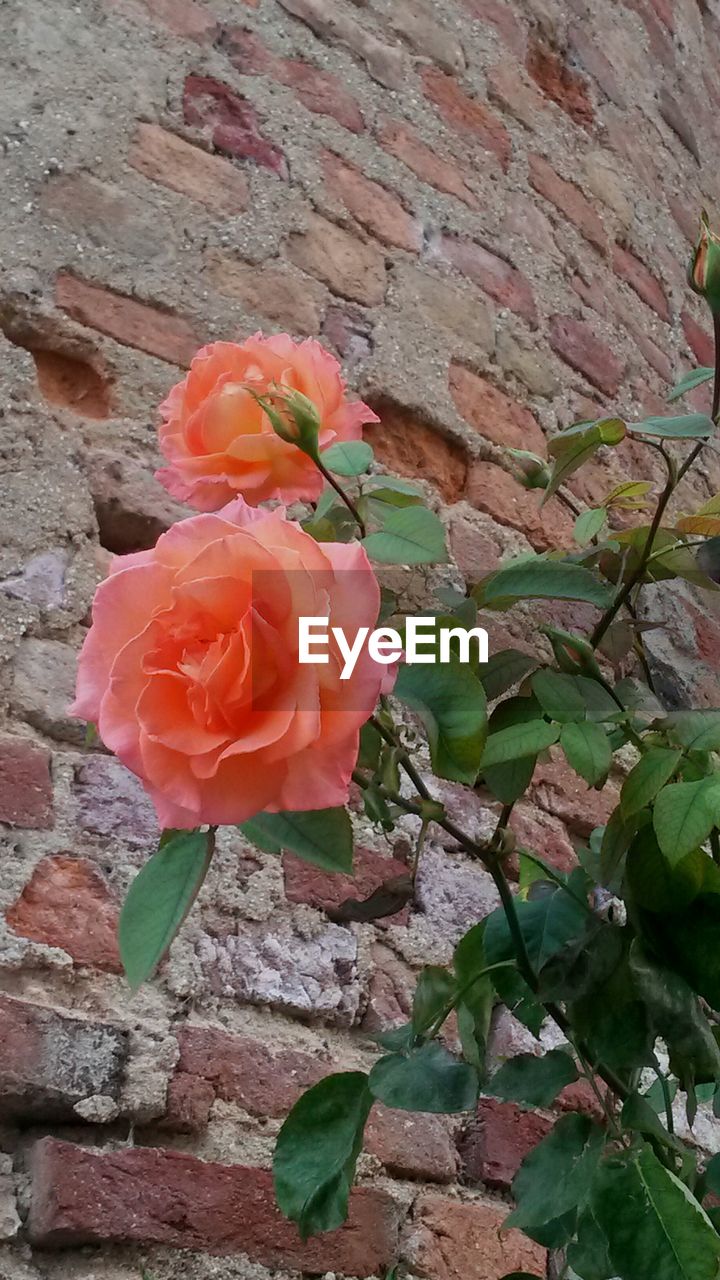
(191, 673)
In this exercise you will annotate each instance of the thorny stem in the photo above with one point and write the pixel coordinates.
(341, 494)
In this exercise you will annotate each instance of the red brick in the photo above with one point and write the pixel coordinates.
(411, 1146)
(508, 86)
(390, 996)
(558, 789)
(577, 344)
(51, 1061)
(375, 208)
(569, 200)
(305, 883)
(184, 18)
(500, 16)
(424, 161)
(497, 1140)
(660, 44)
(699, 340)
(73, 383)
(247, 1072)
(26, 796)
(543, 834)
(631, 269)
(269, 290)
(320, 92)
(230, 122)
(350, 332)
(498, 278)
(474, 551)
(209, 180)
(67, 903)
(493, 490)
(563, 85)
(660, 362)
(467, 115)
(132, 323)
(492, 413)
(347, 265)
(411, 447)
(456, 1240)
(153, 1196)
(188, 1104)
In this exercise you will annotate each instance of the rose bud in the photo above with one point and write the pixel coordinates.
(704, 269)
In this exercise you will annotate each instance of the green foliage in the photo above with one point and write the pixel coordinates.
(575, 446)
(587, 751)
(690, 426)
(536, 1082)
(425, 1079)
(320, 836)
(410, 535)
(556, 1178)
(695, 378)
(348, 457)
(451, 702)
(160, 898)
(538, 578)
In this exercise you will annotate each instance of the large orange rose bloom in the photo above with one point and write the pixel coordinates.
(190, 669)
(218, 441)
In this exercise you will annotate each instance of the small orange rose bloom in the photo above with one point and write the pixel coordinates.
(191, 667)
(219, 442)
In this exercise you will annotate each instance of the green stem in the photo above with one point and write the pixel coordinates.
(670, 1123)
(341, 494)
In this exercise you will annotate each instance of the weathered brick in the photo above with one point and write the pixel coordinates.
(184, 18)
(52, 1061)
(661, 45)
(306, 883)
(67, 903)
(563, 85)
(543, 834)
(632, 270)
(103, 214)
(230, 122)
(439, 172)
(174, 163)
(492, 489)
(461, 312)
(467, 115)
(26, 795)
(655, 356)
(569, 200)
(586, 47)
(577, 344)
(132, 323)
(496, 1141)
(411, 447)
(494, 275)
(698, 339)
(44, 686)
(411, 1146)
(131, 506)
(385, 63)
(73, 383)
(390, 994)
(350, 331)
(508, 86)
(501, 17)
(417, 25)
(685, 216)
(109, 801)
(375, 208)
(473, 550)
(558, 789)
(454, 893)
(321, 92)
(604, 179)
(492, 413)
(154, 1196)
(519, 355)
(347, 265)
(454, 1240)
(530, 226)
(42, 581)
(269, 290)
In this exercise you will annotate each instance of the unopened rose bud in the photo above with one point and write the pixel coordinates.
(293, 417)
(532, 472)
(704, 269)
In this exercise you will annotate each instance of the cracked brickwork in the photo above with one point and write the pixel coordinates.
(484, 207)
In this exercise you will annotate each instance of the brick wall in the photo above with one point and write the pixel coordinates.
(484, 207)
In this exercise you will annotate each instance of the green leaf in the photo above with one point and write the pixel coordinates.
(654, 883)
(557, 1175)
(348, 457)
(450, 701)
(475, 1006)
(684, 815)
(508, 782)
(587, 751)
(434, 991)
(587, 1255)
(428, 1079)
(689, 381)
(411, 535)
(589, 524)
(535, 1082)
(159, 900)
(317, 1150)
(695, 730)
(558, 695)
(677, 1016)
(573, 447)
(655, 1229)
(540, 579)
(712, 1176)
(518, 741)
(320, 836)
(648, 777)
(689, 426)
(392, 484)
(505, 669)
(547, 922)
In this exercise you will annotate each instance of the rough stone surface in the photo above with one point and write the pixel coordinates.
(67, 904)
(454, 1240)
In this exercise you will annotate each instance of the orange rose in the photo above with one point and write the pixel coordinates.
(191, 670)
(219, 442)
